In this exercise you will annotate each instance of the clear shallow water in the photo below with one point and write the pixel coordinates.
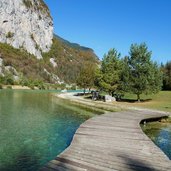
(160, 133)
(34, 128)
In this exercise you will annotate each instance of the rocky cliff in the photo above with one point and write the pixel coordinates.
(26, 24)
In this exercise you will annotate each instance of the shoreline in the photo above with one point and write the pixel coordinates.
(81, 101)
(16, 87)
(106, 106)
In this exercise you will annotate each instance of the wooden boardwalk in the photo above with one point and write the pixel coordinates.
(112, 142)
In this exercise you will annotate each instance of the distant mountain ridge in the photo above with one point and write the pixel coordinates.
(73, 45)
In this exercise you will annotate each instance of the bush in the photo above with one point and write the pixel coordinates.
(9, 35)
(27, 3)
(9, 80)
(9, 87)
(31, 86)
(73, 87)
(1, 87)
(41, 87)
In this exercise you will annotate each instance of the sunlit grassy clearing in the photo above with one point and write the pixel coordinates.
(160, 101)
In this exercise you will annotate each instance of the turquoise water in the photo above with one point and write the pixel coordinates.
(160, 133)
(35, 127)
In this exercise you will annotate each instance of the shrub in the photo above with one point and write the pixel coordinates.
(73, 87)
(32, 37)
(31, 86)
(8, 80)
(1, 87)
(9, 35)
(9, 87)
(27, 3)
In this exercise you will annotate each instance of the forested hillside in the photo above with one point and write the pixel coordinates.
(61, 64)
(69, 58)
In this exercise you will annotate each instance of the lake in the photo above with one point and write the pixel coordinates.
(160, 133)
(35, 126)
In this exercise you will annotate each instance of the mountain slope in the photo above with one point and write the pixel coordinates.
(61, 63)
(69, 58)
(72, 45)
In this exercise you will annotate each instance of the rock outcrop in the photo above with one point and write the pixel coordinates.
(26, 24)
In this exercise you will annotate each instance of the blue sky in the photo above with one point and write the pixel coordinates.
(105, 24)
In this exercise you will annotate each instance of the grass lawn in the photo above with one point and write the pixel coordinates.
(160, 101)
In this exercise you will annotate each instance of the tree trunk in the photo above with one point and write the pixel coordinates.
(138, 98)
(84, 91)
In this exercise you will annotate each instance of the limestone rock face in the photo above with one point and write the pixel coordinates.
(26, 24)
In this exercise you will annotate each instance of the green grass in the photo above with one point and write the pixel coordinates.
(160, 101)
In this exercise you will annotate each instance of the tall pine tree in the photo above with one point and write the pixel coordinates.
(108, 77)
(144, 75)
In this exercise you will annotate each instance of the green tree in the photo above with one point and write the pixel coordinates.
(124, 78)
(166, 76)
(86, 76)
(8, 79)
(1, 81)
(108, 76)
(144, 75)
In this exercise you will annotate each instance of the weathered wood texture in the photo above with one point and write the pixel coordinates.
(112, 142)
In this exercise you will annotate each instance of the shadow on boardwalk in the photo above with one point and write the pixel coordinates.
(136, 165)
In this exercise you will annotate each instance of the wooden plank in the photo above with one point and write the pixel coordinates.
(110, 156)
(112, 142)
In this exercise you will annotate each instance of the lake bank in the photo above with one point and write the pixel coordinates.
(106, 106)
(16, 87)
